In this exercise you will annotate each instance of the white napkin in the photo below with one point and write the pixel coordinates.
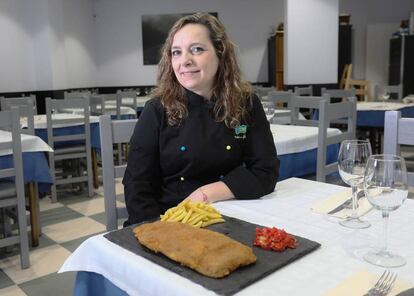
(326, 205)
(360, 282)
(408, 99)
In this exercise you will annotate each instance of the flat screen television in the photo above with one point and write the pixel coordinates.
(155, 28)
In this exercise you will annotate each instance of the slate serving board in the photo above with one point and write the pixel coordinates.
(242, 231)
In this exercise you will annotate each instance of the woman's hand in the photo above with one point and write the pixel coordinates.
(211, 193)
(198, 195)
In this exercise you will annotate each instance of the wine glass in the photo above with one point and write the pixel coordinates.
(352, 158)
(385, 185)
(385, 96)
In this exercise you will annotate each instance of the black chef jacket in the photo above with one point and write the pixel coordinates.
(166, 163)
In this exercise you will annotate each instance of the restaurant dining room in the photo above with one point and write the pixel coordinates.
(257, 147)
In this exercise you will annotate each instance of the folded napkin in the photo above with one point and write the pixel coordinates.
(326, 205)
(408, 99)
(360, 282)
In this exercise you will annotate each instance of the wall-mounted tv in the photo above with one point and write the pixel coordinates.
(155, 29)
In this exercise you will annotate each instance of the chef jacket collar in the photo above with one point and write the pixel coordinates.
(197, 100)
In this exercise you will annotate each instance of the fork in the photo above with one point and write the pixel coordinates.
(384, 284)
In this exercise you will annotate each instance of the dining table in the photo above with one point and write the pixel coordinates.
(372, 114)
(106, 267)
(40, 126)
(297, 149)
(36, 173)
(371, 117)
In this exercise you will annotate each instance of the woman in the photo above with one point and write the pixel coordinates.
(204, 136)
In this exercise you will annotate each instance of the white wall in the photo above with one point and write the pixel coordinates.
(46, 44)
(311, 42)
(16, 51)
(378, 48)
(54, 44)
(119, 39)
(364, 12)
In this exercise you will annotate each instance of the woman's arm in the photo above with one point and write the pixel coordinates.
(212, 192)
(258, 174)
(142, 179)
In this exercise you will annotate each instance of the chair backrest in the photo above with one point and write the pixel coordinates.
(398, 131)
(99, 104)
(113, 132)
(346, 74)
(331, 113)
(26, 107)
(379, 90)
(9, 120)
(304, 91)
(75, 144)
(328, 113)
(262, 91)
(130, 95)
(305, 102)
(362, 88)
(280, 99)
(76, 94)
(341, 94)
(19, 101)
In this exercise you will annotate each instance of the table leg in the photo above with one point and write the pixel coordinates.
(95, 169)
(34, 213)
(126, 148)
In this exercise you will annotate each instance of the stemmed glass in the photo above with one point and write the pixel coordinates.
(385, 95)
(385, 185)
(352, 158)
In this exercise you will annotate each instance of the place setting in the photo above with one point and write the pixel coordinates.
(378, 182)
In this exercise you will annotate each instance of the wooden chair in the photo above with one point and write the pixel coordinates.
(362, 88)
(398, 131)
(280, 101)
(304, 91)
(12, 192)
(19, 101)
(27, 110)
(346, 74)
(130, 94)
(339, 95)
(380, 90)
(328, 113)
(262, 91)
(100, 103)
(113, 132)
(71, 151)
(76, 94)
(307, 104)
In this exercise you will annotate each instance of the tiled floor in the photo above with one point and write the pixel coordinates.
(65, 225)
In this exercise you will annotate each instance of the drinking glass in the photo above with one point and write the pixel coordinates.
(385, 96)
(385, 185)
(352, 158)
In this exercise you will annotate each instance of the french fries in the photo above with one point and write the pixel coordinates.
(197, 214)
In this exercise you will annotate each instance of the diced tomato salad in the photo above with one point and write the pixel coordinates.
(272, 238)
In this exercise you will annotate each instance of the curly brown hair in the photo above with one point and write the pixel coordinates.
(231, 92)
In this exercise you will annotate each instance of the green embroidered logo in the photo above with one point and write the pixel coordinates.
(240, 131)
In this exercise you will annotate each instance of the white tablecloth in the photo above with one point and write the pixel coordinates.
(294, 138)
(381, 106)
(289, 208)
(29, 143)
(129, 101)
(281, 116)
(109, 110)
(40, 120)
